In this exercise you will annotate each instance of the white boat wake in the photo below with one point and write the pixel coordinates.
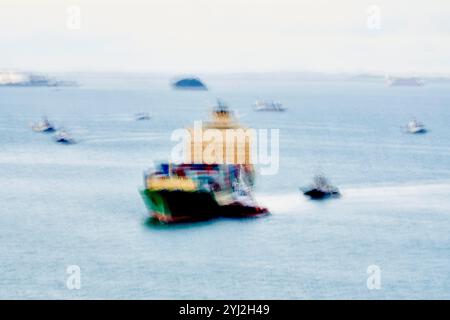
(423, 195)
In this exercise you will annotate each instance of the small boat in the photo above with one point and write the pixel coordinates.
(321, 189)
(262, 105)
(43, 126)
(64, 137)
(142, 116)
(415, 126)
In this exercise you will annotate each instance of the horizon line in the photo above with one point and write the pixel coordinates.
(232, 72)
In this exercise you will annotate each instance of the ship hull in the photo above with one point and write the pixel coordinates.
(37, 128)
(317, 194)
(270, 110)
(417, 130)
(171, 206)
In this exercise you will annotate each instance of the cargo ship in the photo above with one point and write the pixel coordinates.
(197, 190)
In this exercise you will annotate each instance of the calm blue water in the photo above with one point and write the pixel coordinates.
(79, 204)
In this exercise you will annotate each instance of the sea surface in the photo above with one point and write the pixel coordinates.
(64, 205)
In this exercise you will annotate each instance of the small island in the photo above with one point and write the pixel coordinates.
(189, 84)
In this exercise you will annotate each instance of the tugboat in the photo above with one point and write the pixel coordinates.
(199, 190)
(415, 126)
(321, 189)
(262, 105)
(63, 137)
(43, 126)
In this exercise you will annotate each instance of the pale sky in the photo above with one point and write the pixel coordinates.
(191, 36)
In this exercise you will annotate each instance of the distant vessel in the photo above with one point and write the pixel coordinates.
(321, 189)
(404, 81)
(142, 116)
(20, 79)
(415, 126)
(62, 136)
(196, 190)
(268, 105)
(189, 83)
(43, 126)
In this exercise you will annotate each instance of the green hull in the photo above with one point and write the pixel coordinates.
(154, 201)
(175, 205)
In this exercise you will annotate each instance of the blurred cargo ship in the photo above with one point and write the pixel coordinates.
(194, 190)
